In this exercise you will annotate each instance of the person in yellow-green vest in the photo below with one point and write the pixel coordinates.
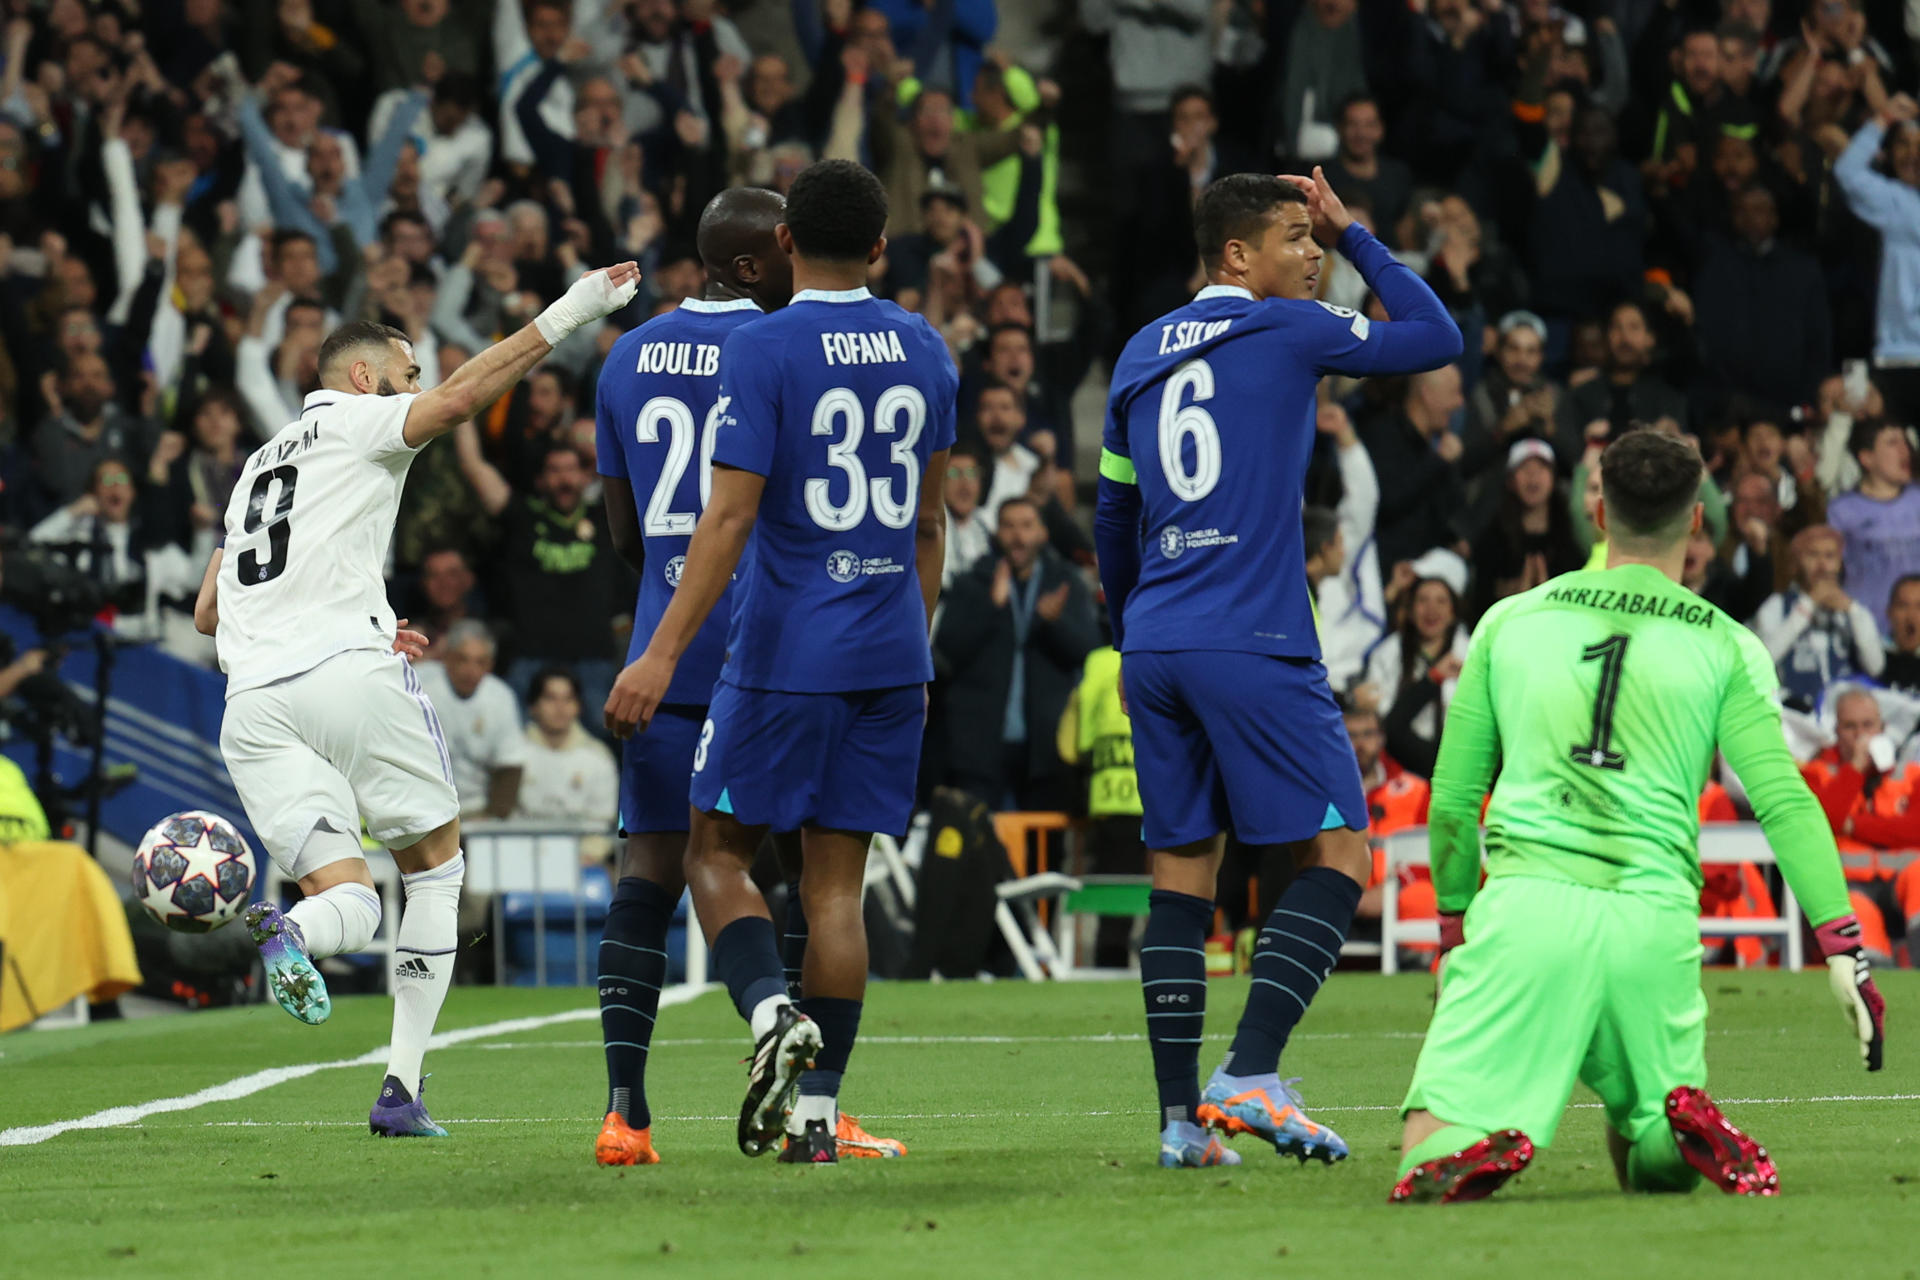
(1096, 731)
(1004, 98)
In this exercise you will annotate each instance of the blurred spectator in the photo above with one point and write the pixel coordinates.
(1531, 537)
(1514, 400)
(1589, 220)
(84, 427)
(1756, 554)
(1748, 341)
(1396, 800)
(563, 588)
(479, 721)
(1415, 455)
(1816, 632)
(1096, 732)
(1866, 794)
(1325, 64)
(1879, 522)
(193, 476)
(928, 153)
(1902, 671)
(969, 536)
(1412, 673)
(445, 595)
(1011, 643)
(1628, 392)
(1001, 417)
(1890, 203)
(101, 531)
(945, 40)
(569, 775)
(1361, 169)
(1352, 608)
(1458, 67)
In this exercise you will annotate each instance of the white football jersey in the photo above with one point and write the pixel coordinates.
(307, 534)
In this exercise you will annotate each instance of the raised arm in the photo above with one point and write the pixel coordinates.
(1421, 334)
(489, 375)
(1802, 842)
(1469, 756)
(488, 484)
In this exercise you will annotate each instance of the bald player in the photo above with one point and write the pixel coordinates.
(658, 404)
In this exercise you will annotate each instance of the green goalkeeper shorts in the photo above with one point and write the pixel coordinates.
(1557, 982)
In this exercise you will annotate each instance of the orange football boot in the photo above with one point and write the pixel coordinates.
(856, 1143)
(621, 1143)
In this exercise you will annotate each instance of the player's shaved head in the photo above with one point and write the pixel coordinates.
(738, 247)
(1651, 483)
(1240, 206)
(380, 346)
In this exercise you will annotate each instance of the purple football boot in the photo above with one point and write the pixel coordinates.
(397, 1115)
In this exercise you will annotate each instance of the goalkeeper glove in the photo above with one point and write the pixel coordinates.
(587, 299)
(1852, 984)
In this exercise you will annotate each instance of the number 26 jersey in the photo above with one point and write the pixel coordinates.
(839, 401)
(301, 578)
(656, 409)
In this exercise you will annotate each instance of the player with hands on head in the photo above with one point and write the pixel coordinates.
(324, 731)
(1210, 425)
(1599, 699)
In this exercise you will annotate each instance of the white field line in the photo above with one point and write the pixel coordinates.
(1017, 1115)
(244, 1086)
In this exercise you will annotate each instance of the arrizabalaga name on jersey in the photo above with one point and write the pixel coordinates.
(1699, 615)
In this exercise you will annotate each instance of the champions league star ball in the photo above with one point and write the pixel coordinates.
(193, 872)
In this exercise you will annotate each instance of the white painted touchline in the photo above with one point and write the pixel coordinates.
(244, 1086)
(589, 1121)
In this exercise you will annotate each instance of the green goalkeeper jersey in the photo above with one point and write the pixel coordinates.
(1599, 698)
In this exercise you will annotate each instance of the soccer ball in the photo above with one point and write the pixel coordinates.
(193, 872)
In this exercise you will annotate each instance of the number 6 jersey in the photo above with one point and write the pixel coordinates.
(839, 401)
(657, 405)
(306, 539)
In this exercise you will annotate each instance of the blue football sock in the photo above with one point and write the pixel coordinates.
(633, 966)
(793, 949)
(745, 957)
(1296, 950)
(839, 1022)
(1173, 975)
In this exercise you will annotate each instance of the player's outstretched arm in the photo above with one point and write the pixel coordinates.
(206, 606)
(489, 375)
(1469, 754)
(1421, 333)
(712, 555)
(1802, 840)
(930, 532)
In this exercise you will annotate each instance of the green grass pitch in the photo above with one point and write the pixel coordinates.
(1028, 1109)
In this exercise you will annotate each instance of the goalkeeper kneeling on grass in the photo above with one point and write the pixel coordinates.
(1600, 697)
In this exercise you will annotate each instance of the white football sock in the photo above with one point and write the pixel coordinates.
(337, 921)
(813, 1106)
(423, 956)
(761, 1020)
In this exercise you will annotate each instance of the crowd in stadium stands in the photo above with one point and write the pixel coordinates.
(1700, 217)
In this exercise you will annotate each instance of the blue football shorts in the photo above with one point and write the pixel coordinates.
(848, 761)
(1242, 742)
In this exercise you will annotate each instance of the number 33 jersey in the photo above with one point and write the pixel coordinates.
(839, 401)
(657, 406)
(306, 539)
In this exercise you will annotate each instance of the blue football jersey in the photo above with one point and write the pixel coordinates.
(838, 400)
(658, 404)
(1211, 414)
